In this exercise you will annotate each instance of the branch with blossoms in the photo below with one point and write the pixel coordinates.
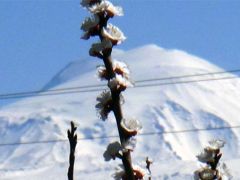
(117, 75)
(211, 156)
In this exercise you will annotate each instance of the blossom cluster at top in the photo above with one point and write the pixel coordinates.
(102, 10)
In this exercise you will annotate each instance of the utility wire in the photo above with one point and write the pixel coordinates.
(190, 75)
(102, 85)
(100, 89)
(187, 82)
(116, 136)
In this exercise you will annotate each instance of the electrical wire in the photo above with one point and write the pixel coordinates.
(116, 136)
(100, 89)
(30, 93)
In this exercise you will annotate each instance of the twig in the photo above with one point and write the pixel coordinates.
(148, 164)
(72, 137)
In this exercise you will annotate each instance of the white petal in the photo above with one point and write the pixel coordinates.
(217, 143)
(98, 47)
(122, 67)
(113, 33)
(131, 124)
(90, 22)
(106, 6)
(119, 82)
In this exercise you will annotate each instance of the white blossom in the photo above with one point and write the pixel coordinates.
(216, 144)
(97, 48)
(113, 33)
(119, 68)
(112, 151)
(102, 72)
(106, 6)
(89, 23)
(131, 126)
(104, 104)
(207, 155)
(119, 83)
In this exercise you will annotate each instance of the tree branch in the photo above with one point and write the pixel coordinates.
(117, 110)
(72, 137)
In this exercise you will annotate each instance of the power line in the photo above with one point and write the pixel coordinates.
(116, 136)
(100, 89)
(51, 94)
(190, 75)
(187, 82)
(30, 93)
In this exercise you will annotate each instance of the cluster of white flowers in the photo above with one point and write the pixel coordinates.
(113, 33)
(119, 83)
(104, 105)
(89, 23)
(209, 153)
(89, 26)
(217, 144)
(119, 68)
(131, 126)
(98, 48)
(108, 7)
(102, 73)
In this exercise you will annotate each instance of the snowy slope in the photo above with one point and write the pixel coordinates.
(160, 108)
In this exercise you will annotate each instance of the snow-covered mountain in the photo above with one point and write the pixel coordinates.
(164, 108)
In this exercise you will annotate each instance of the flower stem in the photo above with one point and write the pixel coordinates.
(117, 110)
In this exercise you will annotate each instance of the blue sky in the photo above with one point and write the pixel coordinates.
(39, 37)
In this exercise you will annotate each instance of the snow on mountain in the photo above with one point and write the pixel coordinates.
(172, 107)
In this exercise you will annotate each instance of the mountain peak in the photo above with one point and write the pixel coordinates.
(165, 61)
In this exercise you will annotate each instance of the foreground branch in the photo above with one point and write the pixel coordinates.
(72, 137)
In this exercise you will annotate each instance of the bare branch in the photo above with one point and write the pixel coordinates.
(72, 137)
